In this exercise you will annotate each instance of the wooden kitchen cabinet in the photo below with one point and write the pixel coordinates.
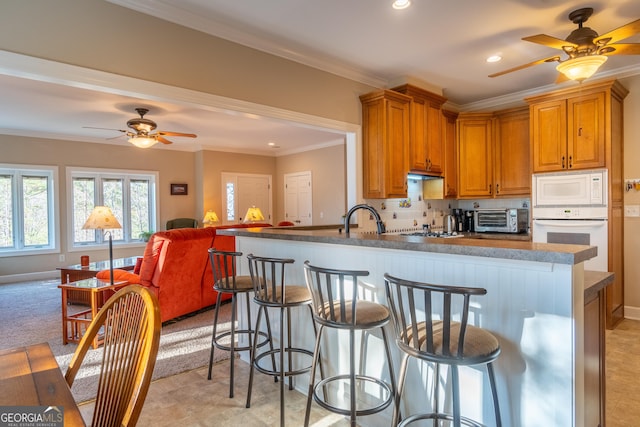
(512, 173)
(493, 154)
(475, 155)
(449, 119)
(426, 146)
(569, 128)
(385, 140)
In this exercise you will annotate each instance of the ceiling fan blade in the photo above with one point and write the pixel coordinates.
(626, 31)
(163, 140)
(93, 127)
(530, 64)
(187, 135)
(623, 49)
(550, 41)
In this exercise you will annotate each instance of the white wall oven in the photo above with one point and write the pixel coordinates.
(571, 208)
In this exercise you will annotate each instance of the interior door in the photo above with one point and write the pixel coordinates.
(298, 198)
(242, 191)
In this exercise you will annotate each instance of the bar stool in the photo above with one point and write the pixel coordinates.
(423, 315)
(268, 277)
(336, 304)
(225, 281)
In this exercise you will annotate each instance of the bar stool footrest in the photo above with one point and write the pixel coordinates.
(275, 352)
(438, 416)
(346, 411)
(263, 335)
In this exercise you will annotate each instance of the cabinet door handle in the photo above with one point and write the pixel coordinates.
(497, 188)
(428, 164)
(490, 189)
(562, 162)
(579, 131)
(570, 162)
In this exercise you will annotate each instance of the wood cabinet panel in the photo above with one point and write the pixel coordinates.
(586, 131)
(450, 153)
(548, 135)
(475, 155)
(385, 132)
(512, 172)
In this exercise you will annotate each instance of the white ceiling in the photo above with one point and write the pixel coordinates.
(441, 43)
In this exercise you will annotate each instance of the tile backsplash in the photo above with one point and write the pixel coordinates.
(408, 214)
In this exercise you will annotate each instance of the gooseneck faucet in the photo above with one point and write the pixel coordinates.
(371, 209)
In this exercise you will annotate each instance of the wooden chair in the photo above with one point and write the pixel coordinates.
(130, 323)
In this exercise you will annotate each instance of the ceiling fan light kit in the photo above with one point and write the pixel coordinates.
(581, 67)
(587, 50)
(143, 141)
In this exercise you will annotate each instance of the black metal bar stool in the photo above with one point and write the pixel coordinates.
(270, 291)
(432, 325)
(225, 281)
(336, 304)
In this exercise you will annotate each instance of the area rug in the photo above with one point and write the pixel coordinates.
(30, 314)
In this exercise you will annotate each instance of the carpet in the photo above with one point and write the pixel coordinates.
(30, 314)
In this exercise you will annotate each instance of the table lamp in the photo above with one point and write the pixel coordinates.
(209, 219)
(103, 219)
(253, 215)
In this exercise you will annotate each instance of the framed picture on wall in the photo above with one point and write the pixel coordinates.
(178, 189)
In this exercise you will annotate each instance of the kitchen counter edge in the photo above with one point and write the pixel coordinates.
(489, 248)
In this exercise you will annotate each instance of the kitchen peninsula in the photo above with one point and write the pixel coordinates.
(534, 305)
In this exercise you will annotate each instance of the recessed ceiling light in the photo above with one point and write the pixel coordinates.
(401, 4)
(494, 58)
(273, 144)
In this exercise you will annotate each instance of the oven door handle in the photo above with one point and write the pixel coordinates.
(572, 223)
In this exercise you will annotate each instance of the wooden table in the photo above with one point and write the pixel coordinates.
(73, 273)
(74, 325)
(30, 376)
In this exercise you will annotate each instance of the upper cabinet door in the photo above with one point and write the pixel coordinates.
(586, 131)
(549, 136)
(475, 155)
(385, 139)
(512, 172)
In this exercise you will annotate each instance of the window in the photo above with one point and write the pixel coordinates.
(28, 209)
(131, 196)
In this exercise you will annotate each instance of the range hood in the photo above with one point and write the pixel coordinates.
(422, 176)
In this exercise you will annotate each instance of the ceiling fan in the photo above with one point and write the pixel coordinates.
(586, 50)
(141, 135)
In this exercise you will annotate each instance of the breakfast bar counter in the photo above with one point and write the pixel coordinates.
(534, 305)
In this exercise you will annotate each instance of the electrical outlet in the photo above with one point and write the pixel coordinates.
(61, 258)
(632, 210)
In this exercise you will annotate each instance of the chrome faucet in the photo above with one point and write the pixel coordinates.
(371, 209)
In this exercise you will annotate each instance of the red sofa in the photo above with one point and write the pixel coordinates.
(176, 267)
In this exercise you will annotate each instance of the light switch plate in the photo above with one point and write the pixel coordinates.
(632, 210)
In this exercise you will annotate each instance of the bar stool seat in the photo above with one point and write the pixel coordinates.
(432, 326)
(337, 304)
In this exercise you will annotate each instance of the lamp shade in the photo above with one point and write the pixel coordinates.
(582, 67)
(101, 219)
(253, 215)
(143, 141)
(210, 218)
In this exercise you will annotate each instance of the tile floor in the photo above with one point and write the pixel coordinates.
(189, 399)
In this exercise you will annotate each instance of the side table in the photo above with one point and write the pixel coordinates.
(74, 325)
(73, 273)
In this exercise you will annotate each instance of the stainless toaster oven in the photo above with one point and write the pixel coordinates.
(505, 220)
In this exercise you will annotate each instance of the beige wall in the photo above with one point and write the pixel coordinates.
(328, 172)
(99, 35)
(632, 172)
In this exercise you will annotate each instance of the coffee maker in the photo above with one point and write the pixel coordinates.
(468, 221)
(458, 215)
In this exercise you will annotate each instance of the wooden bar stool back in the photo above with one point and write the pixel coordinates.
(431, 324)
(336, 304)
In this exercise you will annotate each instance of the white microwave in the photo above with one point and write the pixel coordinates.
(566, 189)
